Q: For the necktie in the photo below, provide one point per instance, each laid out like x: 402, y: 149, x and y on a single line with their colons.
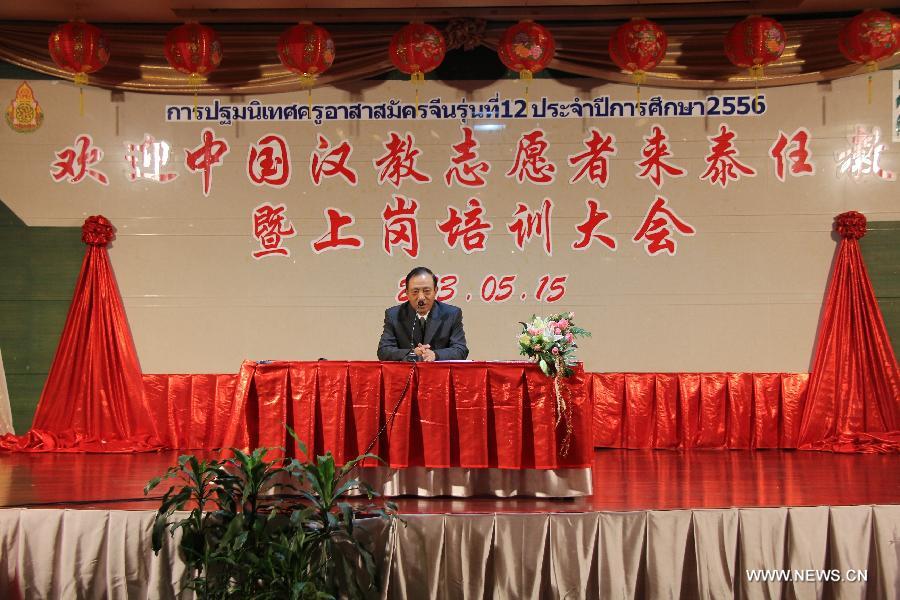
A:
x: 420, y: 331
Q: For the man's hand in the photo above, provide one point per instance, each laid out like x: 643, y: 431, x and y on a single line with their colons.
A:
x: 425, y: 352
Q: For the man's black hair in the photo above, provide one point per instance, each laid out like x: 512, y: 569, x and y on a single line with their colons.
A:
x: 421, y: 271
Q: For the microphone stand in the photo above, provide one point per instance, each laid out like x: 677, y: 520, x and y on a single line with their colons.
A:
x: 412, y: 356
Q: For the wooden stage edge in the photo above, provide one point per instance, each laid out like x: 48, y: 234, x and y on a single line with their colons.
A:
x: 624, y: 480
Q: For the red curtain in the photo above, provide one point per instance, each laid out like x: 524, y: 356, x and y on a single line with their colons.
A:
x: 697, y: 410
x: 854, y: 387
x: 93, y: 400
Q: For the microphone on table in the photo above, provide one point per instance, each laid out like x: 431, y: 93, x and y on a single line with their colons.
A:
x: 412, y: 356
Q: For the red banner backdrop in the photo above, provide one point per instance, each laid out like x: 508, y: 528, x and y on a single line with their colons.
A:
x: 854, y: 388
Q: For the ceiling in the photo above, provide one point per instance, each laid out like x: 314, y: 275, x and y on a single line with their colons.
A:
x: 362, y: 11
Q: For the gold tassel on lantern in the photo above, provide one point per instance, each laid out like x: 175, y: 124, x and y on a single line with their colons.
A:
x: 80, y: 80
x: 308, y: 82
x: 526, y: 76
x: 639, y: 77
x: 195, y: 80
x: 756, y: 72
x: 416, y: 77
x: 871, y: 67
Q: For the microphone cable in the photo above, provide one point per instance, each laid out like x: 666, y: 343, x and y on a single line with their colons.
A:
x: 389, y: 422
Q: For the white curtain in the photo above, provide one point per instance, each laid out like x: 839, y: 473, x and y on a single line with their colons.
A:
x: 463, y: 482
x: 6, y: 424
x: 645, y: 554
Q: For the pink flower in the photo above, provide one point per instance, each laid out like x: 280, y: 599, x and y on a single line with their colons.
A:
x: 557, y: 330
x: 536, y: 347
x: 569, y: 337
x: 563, y: 324
x: 551, y: 324
x: 555, y: 351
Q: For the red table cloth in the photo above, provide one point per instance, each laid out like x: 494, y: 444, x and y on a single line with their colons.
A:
x: 465, y: 414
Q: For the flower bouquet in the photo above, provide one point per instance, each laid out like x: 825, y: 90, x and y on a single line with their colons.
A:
x: 550, y: 342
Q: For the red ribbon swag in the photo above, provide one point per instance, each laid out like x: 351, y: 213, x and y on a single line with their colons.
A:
x: 853, y: 403
x: 93, y: 399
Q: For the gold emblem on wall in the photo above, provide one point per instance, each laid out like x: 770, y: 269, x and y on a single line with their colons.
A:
x: 24, y: 114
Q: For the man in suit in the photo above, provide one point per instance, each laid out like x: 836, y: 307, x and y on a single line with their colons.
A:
x: 422, y: 328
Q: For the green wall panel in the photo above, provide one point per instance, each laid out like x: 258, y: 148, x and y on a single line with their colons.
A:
x: 39, y: 266
x: 24, y: 393
x: 881, y: 251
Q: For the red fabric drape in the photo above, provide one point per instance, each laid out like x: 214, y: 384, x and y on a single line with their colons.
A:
x: 854, y: 387
x: 470, y: 415
x: 93, y: 398
x: 630, y: 410
x: 697, y: 410
x: 191, y: 411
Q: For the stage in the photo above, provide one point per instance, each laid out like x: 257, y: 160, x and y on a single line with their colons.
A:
x: 659, y: 524
x: 624, y: 480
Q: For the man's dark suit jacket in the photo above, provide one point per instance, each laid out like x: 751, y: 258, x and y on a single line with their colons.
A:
x: 443, y: 332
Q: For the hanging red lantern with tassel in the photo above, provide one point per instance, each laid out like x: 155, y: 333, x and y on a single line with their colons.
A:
x: 417, y: 49
x: 870, y: 36
x: 79, y: 48
x: 193, y: 49
x: 754, y: 43
x: 637, y: 47
x: 526, y: 48
x: 307, y: 50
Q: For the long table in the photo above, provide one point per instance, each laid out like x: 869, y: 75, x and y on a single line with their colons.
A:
x: 461, y: 428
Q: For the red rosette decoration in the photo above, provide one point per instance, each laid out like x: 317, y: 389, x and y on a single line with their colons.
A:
x: 637, y: 47
x: 850, y: 225
x: 193, y: 49
x: 307, y: 50
x: 417, y: 49
x: 754, y: 43
x: 526, y: 48
x: 870, y: 36
x: 79, y: 48
x: 97, y: 231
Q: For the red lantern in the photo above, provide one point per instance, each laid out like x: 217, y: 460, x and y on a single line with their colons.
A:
x: 637, y: 47
x: 193, y: 49
x: 307, y: 50
x: 417, y: 49
x: 526, y: 48
x: 79, y: 48
x: 869, y: 37
x: 755, y: 42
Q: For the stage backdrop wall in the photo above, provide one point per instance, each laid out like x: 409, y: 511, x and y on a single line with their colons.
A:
x: 740, y: 293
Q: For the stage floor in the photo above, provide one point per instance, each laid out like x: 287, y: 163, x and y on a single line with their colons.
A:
x: 624, y: 480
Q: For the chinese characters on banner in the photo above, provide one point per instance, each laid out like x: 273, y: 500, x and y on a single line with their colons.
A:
x: 75, y: 162
x: 466, y: 228
x: 269, y: 227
